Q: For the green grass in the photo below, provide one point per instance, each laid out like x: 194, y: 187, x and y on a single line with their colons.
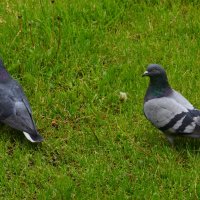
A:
x: 72, y: 59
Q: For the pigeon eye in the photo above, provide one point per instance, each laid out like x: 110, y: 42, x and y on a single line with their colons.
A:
x: 154, y: 70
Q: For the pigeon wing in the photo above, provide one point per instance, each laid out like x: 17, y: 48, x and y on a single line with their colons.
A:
x: 168, y: 115
x: 6, y: 108
x: 181, y: 99
x: 20, y: 117
x: 18, y: 92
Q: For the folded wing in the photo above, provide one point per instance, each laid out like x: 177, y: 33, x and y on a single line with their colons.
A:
x: 170, y: 116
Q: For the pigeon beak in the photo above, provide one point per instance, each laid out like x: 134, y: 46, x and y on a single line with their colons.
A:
x: 146, y: 73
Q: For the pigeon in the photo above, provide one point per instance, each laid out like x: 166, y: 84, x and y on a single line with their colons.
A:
x: 167, y: 109
x: 15, y: 110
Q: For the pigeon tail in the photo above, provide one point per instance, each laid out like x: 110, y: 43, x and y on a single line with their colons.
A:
x: 36, y: 138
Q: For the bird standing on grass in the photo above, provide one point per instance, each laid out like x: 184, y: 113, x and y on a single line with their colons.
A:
x: 167, y: 109
x: 15, y: 110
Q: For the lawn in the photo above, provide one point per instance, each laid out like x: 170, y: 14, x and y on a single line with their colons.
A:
x: 73, y: 58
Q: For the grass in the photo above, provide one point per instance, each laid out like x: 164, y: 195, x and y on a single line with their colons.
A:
x: 73, y: 58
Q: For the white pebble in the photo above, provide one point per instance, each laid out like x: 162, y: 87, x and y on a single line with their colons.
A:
x: 123, y: 96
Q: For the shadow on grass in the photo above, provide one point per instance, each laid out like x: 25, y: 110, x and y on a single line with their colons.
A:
x: 182, y: 145
x: 188, y: 144
x: 14, y: 136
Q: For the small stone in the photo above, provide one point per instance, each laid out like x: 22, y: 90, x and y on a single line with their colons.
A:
x: 123, y: 96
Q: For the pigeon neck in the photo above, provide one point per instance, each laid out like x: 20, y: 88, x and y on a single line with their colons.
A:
x: 158, y: 87
x: 159, y: 82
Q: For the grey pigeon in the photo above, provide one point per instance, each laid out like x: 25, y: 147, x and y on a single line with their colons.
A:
x: 15, y: 110
x: 167, y: 109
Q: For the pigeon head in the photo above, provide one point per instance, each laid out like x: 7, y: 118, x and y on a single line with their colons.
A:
x: 159, y: 85
x: 4, y: 75
x: 154, y: 70
x: 157, y: 75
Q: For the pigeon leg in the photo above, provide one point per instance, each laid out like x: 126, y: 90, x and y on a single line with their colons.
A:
x: 170, y: 138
